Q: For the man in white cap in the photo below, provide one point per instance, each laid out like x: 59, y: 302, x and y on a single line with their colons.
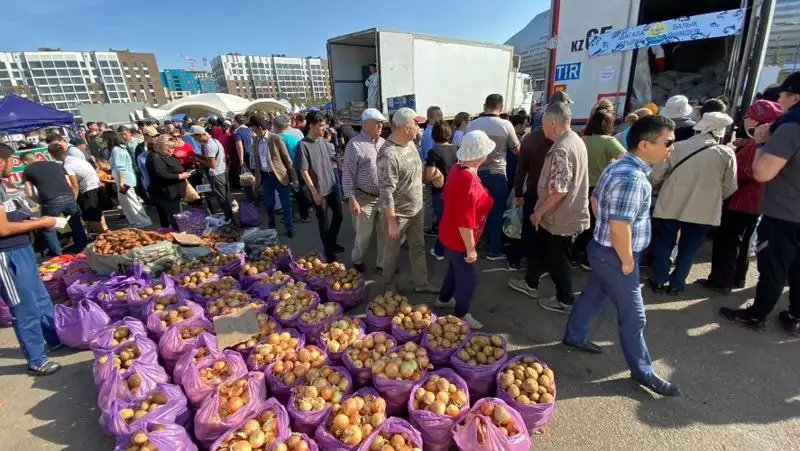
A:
x: 692, y: 183
x: 679, y: 110
x: 360, y: 185
x: 212, y: 156
x: 400, y: 197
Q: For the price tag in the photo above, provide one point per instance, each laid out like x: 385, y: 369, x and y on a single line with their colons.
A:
x: 203, y: 189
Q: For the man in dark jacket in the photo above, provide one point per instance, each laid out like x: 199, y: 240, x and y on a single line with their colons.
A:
x: 167, y: 186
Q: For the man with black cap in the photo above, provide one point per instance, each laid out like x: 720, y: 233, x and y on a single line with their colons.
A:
x: 777, y: 166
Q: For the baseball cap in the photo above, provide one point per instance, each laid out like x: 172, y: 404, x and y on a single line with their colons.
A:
x: 405, y: 116
x: 197, y: 130
x: 149, y: 130
x: 560, y: 96
x: 792, y: 83
x: 372, y: 114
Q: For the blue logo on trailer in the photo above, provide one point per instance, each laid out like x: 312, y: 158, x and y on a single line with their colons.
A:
x: 569, y: 71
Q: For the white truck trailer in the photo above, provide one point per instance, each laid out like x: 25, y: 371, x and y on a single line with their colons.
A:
x: 420, y: 71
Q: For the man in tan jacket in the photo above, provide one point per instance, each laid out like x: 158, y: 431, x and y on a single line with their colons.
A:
x: 691, y: 185
x: 273, y: 169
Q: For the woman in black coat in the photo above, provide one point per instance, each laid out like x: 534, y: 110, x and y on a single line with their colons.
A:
x: 167, y: 186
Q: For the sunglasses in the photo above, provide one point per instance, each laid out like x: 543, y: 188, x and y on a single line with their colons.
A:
x: 668, y: 143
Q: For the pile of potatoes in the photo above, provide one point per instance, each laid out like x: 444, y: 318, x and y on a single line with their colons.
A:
x: 275, y: 347
x: 216, y: 373
x: 191, y: 332
x: 287, y: 291
x: 216, y: 288
x: 120, y: 242
x: 440, y: 396
x: 499, y: 416
x: 386, y: 441
x: 388, y: 304
x: 133, y: 382
x: 175, y: 316
x: 146, y: 293
x: 355, y: 418
x: 295, y: 442
x: 176, y: 268
x: 153, y: 402
x: 340, y: 334
x: 140, y: 442
x: 276, y: 278
x: 259, y: 265
x: 123, y: 358
x: 164, y: 301
x: 482, y: 350
x: 291, y: 306
x: 266, y: 324
x: 295, y: 365
x: 326, y: 270
x: 323, y: 386
x: 201, y: 353
x: 223, y: 235
x: 345, y: 280
x: 320, y: 313
x: 121, y: 335
x: 220, y: 259
x: 276, y: 251
x: 405, y: 364
x: 528, y: 382
x: 310, y: 261
x: 256, y: 434
x: 413, y: 320
x: 230, y: 302
x: 118, y: 296
x: 366, y: 351
x: 447, y: 332
x: 195, y: 278
x: 233, y: 396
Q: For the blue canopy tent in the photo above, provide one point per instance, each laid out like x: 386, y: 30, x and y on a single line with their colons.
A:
x: 18, y: 115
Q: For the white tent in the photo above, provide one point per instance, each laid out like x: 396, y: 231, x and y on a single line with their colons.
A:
x: 219, y: 104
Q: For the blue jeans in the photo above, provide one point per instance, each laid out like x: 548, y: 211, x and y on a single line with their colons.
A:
x: 437, y: 199
x: 32, y: 309
x: 607, y: 280
x: 68, y: 206
x: 692, y: 236
x: 459, y: 282
x: 497, y: 185
x: 270, y: 184
x: 338, y: 182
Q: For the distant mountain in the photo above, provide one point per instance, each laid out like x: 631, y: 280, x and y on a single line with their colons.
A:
x: 536, y: 31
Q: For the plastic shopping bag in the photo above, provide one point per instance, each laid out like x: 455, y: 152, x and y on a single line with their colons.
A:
x: 512, y: 223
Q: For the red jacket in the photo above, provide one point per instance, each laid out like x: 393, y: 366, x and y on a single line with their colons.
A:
x: 185, y: 155
x: 748, y: 196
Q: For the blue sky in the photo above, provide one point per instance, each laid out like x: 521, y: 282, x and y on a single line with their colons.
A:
x: 174, y: 30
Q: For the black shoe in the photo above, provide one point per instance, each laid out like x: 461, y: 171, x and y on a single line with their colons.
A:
x: 360, y: 267
x: 305, y: 220
x: 674, y: 291
x: 789, y: 324
x: 707, y: 284
x: 431, y: 232
x: 740, y: 284
x: 744, y: 317
x: 338, y: 249
x: 45, y: 369
x: 657, y: 385
x: 588, y: 346
x: 658, y: 287
x: 290, y: 234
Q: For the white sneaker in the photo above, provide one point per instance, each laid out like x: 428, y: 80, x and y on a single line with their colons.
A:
x: 473, y: 323
x: 435, y: 255
x: 442, y: 304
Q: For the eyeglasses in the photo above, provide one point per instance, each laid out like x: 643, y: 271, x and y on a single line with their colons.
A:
x: 668, y: 143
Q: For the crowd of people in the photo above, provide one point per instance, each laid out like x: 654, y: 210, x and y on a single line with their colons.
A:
x: 612, y: 200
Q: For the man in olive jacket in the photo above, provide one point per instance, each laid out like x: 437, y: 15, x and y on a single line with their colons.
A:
x: 273, y: 169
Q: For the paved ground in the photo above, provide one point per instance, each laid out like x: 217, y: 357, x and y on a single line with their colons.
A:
x: 741, y: 389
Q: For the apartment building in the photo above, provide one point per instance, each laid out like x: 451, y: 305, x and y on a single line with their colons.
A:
x: 142, y: 77
x: 784, y: 38
x: 277, y: 76
x: 179, y: 83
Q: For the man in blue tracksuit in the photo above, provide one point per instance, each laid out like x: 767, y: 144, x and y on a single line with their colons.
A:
x: 20, y: 286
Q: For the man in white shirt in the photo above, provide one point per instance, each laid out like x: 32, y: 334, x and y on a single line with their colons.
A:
x: 70, y: 149
x: 373, y: 85
x: 85, y: 186
x: 213, y: 158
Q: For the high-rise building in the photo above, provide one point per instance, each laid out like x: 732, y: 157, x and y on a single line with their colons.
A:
x: 784, y: 38
x: 530, y: 44
x: 277, y: 76
x: 142, y: 77
x: 179, y: 83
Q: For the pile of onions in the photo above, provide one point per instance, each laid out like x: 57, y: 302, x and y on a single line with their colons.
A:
x: 140, y: 442
x: 405, y: 363
x: 215, y: 373
x: 354, y: 419
x: 230, y: 302
x: 499, y: 416
x: 267, y: 324
x: 275, y: 251
x: 345, y: 280
x: 310, y: 261
x: 387, y: 441
x: 388, y: 304
x: 295, y: 365
x: 413, y: 319
x: 295, y: 442
x: 290, y: 307
x: 259, y: 265
x: 340, y: 334
x: 447, y: 332
x: 274, y: 278
x: 233, y: 396
x: 440, y: 396
x: 528, y: 382
x: 256, y: 434
x: 200, y: 353
x: 366, y: 351
x: 319, y: 313
x: 326, y: 270
x: 191, y: 332
x: 276, y: 346
x: 323, y: 386
x: 482, y: 350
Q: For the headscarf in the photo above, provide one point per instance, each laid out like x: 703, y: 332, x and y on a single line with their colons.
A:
x: 764, y: 111
x: 714, y: 123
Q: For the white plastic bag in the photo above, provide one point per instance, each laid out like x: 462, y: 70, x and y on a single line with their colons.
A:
x: 512, y: 223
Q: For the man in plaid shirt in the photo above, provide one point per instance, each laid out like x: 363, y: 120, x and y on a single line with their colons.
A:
x: 621, y: 202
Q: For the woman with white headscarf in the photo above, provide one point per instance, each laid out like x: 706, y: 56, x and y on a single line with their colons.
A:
x: 692, y: 183
x: 467, y: 204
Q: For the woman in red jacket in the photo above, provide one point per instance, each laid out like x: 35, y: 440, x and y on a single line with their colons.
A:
x: 730, y: 257
x: 183, y: 151
x: 467, y: 203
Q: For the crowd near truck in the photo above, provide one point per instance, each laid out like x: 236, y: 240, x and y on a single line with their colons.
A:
x: 420, y: 70
x: 634, y: 52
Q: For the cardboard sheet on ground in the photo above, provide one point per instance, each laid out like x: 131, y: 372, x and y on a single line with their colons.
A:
x: 235, y: 328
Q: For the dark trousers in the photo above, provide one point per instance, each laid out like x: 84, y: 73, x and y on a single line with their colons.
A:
x: 731, y: 253
x: 522, y: 246
x: 585, y: 237
x: 269, y: 185
x: 778, y: 262
x: 692, y: 236
x: 550, y: 253
x: 221, y: 191
x: 459, y: 282
x: 67, y: 206
x: 329, y: 226
x: 303, y: 203
x: 497, y: 185
x: 167, y: 209
x: 437, y: 199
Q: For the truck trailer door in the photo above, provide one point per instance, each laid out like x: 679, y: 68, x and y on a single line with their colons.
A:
x: 588, y: 80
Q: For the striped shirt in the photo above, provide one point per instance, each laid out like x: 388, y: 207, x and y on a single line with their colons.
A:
x: 359, y: 170
x: 623, y: 194
x: 400, y: 178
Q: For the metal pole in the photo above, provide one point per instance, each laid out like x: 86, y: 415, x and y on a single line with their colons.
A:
x: 759, y: 50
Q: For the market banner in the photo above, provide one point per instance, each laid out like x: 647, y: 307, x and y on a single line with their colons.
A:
x: 691, y: 28
x: 41, y: 154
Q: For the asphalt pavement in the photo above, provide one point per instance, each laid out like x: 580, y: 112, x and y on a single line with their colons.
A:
x: 741, y: 389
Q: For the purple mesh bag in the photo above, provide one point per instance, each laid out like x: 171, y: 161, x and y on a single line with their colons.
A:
x: 336, y: 356
x: 362, y: 376
x: 261, y: 289
x: 84, y: 287
x: 348, y: 298
x: 393, y: 426
x: 435, y: 429
x: 441, y: 356
x: 172, y: 346
x: 209, y: 426
x: 174, y: 411
x: 114, y: 388
x: 307, y: 422
x: 536, y: 416
x: 164, y: 436
x: 251, y: 361
x: 187, y: 360
x: 466, y: 435
x: 479, y: 378
x: 282, y: 427
x: 103, y: 367
x: 196, y: 390
x: 156, y: 327
x: 312, y: 445
x: 292, y: 321
x: 76, y: 326
x: 377, y: 323
x: 232, y: 268
x: 103, y: 339
x: 312, y: 330
x: 276, y: 386
x: 328, y: 441
x: 402, y: 336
